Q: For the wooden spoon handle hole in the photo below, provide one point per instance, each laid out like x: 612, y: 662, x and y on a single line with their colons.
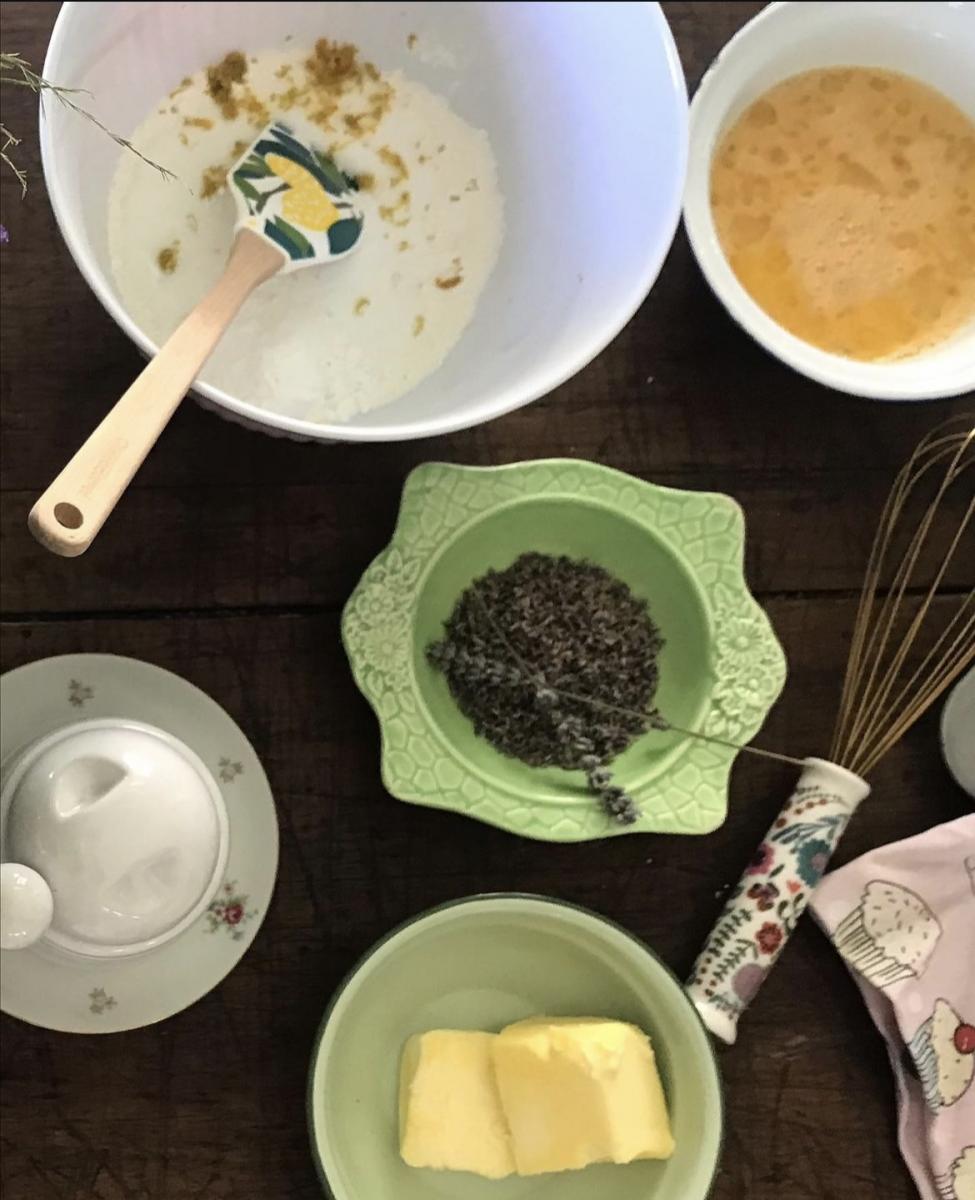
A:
x: 68, y: 516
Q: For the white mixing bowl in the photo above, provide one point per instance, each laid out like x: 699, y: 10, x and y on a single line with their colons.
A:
x: 934, y: 41
x: 586, y: 108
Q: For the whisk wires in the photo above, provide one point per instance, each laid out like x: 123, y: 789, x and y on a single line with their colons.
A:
x: 881, y: 696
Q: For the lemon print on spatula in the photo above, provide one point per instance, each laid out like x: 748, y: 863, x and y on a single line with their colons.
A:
x: 305, y: 203
x: 296, y: 198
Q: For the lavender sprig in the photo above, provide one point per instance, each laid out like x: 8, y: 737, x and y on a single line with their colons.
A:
x: 570, y: 737
x: 17, y: 71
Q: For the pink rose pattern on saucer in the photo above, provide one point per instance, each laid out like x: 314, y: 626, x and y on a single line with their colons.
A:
x: 228, y: 911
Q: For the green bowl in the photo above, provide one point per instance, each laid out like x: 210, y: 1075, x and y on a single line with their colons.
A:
x: 721, y: 668
x: 481, y: 963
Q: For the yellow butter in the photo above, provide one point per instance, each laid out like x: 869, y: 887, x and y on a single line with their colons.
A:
x: 576, y: 1091
x: 450, y: 1113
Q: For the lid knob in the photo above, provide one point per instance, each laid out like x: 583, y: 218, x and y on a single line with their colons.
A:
x: 26, y: 906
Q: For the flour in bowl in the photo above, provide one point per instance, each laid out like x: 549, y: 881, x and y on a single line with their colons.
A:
x: 326, y: 343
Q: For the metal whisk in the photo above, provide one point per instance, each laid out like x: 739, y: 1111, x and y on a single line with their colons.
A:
x: 884, y: 692
x: 878, y: 704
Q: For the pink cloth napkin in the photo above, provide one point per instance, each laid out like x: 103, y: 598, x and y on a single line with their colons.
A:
x: 903, y: 918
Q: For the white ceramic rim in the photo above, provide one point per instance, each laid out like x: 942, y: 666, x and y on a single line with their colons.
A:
x: 831, y: 370
x: 606, y: 325
x: 29, y: 754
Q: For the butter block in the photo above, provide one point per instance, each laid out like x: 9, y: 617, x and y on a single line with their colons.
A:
x: 576, y: 1091
x: 450, y: 1111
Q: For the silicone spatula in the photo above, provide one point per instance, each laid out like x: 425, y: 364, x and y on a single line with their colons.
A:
x: 295, y: 209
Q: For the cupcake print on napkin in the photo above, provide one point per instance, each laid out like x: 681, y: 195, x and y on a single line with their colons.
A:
x: 903, y: 918
x: 889, y: 936
x: 958, y: 1182
x: 943, y: 1050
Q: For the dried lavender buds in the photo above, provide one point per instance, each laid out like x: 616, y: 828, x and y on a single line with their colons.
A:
x: 554, y: 661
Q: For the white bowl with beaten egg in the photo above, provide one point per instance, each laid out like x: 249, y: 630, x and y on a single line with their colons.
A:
x: 591, y: 199
x: 931, y: 42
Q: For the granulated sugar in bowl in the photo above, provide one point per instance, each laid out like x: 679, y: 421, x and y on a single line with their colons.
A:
x: 564, y: 211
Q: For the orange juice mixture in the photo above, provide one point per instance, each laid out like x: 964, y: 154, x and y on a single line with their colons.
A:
x: 844, y: 199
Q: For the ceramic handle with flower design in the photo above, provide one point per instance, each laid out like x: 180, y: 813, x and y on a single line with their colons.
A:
x: 764, y: 907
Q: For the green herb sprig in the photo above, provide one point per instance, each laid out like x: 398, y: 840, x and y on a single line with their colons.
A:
x: 16, y: 71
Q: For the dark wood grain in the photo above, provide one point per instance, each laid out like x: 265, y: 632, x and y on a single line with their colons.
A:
x: 219, y: 1088
x: 228, y: 562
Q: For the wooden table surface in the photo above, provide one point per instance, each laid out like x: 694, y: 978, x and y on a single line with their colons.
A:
x: 228, y: 563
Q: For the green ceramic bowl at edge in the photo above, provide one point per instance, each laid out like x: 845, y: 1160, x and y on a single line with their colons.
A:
x: 480, y: 963
x: 721, y: 667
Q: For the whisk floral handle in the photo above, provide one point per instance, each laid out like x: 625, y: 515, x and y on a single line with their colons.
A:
x: 770, y: 897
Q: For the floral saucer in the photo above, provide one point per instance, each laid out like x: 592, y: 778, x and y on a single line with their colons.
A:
x: 721, y: 667
x: 75, y: 994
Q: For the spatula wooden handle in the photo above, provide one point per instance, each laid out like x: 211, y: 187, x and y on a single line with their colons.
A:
x: 73, y: 509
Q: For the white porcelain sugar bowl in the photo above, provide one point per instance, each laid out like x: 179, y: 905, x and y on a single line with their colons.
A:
x: 114, y: 838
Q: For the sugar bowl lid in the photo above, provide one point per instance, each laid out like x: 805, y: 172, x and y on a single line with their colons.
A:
x: 114, y: 839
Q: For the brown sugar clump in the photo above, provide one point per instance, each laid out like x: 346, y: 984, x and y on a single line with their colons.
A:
x: 395, y: 162
x: 221, y: 79
x: 214, y: 180
x: 334, y: 70
x: 289, y: 98
x: 334, y: 64
x: 168, y: 258
x: 359, y: 124
x: 323, y: 116
x: 398, y: 213
x: 446, y: 282
x: 198, y: 122
x: 256, y: 109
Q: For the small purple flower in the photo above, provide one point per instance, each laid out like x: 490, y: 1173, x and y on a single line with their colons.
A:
x: 747, y: 980
x: 762, y: 860
x: 4, y: 235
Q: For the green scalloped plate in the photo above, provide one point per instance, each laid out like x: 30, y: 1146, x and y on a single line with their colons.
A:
x: 721, y: 668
